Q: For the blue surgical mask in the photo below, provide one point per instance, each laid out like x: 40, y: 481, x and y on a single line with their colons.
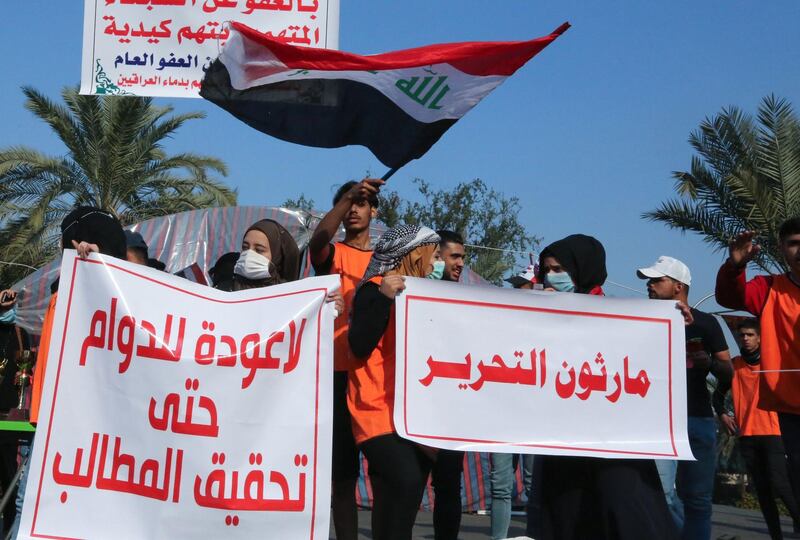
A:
x: 9, y: 316
x: 438, y: 270
x: 560, y: 281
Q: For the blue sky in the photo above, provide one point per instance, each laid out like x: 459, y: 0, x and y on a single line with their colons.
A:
x: 586, y: 134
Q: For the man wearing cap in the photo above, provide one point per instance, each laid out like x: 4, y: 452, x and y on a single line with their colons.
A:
x: 706, y: 352
x: 525, y: 279
x: 137, y: 248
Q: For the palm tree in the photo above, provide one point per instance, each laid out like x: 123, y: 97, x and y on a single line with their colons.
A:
x: 114, y: 161
x: 746, y: 176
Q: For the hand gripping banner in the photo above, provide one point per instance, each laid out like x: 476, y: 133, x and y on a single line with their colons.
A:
x: 501, y: 370
x: 174, y: 410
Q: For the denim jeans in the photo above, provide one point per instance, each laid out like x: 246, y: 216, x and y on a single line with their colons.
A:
x: 502, y: 480
x: 527, y: 475
x: 693, y: 480
x: 667, y: 471
x: 24, y: 452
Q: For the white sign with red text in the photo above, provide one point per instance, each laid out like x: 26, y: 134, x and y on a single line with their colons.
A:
x: 163, y: 47
x: 504, y: 370
x: 174, y: 410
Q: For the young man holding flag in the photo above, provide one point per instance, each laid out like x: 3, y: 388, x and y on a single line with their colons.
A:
x: 354, y: 206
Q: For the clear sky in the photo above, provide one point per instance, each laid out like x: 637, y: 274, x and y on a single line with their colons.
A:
x: 586, y: 134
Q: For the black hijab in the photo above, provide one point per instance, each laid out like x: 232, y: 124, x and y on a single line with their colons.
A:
x: 584, y: 259
x: 96, y: 226
x: 222, y: 271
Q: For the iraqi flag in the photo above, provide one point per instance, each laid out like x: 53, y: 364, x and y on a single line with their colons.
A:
x: 396, y: 104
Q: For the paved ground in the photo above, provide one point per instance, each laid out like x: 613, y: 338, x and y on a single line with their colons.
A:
x: 728, y: 524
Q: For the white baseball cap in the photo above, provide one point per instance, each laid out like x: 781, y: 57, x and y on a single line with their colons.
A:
x: 526, y: 276
x: 667, y: 267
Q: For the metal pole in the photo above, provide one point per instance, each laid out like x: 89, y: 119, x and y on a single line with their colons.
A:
x: 706, y: 297
x: 389, y: 173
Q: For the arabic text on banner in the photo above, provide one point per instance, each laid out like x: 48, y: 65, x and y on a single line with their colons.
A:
x: 162, y: 47
x: 174, y: 410
x: 501, y: 370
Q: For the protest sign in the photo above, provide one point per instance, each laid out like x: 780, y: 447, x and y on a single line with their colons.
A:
x: 503, y: 370
x: 163, y: 47
x: 173, y: 410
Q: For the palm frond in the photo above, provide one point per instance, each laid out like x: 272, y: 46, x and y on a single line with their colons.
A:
x: 745, y: 176
x: 114, y: 159
x: 57, y: 117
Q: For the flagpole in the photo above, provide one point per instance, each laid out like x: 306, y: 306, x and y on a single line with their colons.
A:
x: 389, y: 173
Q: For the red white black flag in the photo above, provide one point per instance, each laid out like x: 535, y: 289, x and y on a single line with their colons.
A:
x: 396, y: 104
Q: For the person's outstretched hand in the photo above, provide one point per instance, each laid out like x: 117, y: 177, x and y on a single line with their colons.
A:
x: 742, y: 249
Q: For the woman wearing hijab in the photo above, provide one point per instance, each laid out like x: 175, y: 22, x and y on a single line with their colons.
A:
x: 576, y: 263
x: 593, y: 498
x: 269, y: 256
x: 88, y: 230
x: 398, y: 468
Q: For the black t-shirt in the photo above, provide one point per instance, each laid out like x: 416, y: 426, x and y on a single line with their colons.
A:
x: 704, y: 337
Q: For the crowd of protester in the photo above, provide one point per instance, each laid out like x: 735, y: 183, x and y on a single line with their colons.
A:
x: 567, y: 497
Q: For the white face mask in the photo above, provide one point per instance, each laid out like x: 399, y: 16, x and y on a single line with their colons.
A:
x: 252, y: 265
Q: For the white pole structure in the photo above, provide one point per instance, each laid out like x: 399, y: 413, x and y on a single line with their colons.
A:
x: 706, y: 297
x: 19, y: 264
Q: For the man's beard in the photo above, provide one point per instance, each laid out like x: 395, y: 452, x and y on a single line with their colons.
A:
x: 448, y: 276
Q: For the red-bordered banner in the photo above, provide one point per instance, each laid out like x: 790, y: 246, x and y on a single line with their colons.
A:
x: 502, y: 370
x: 175, y: 410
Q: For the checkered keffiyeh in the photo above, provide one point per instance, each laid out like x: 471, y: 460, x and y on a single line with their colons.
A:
x: 395, y: 244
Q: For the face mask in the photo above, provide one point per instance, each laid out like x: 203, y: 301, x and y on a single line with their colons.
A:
x: 560, y: 281
x: 438, y: 270
x: 9, y: 316
x: 252, y: 265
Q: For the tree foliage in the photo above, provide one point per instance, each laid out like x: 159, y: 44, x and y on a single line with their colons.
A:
x: 745, y: 176
x: 114, y: 160
x: 488, y: 221
x: 300, y: 203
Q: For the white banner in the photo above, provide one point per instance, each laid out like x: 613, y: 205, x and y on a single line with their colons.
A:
x: 503, y: 370
x: 174, y: 410
x: 162, y: 47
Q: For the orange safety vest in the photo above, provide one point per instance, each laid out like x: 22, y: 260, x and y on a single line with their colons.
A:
x: 780, y: 348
